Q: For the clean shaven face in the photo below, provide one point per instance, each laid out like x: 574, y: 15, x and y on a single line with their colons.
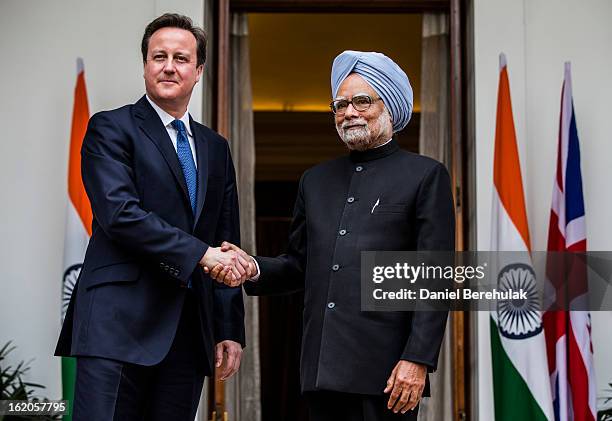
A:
x: 170, y: 71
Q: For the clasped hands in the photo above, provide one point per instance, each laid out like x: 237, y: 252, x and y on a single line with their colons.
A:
x: 228, y: 264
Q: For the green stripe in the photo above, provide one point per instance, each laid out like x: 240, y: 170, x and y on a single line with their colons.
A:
x: 68, y: 378
x: 513, y: 399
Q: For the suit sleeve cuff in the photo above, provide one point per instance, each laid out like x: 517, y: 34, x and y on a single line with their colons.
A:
x: 257, y: 272
x: 431, y: 367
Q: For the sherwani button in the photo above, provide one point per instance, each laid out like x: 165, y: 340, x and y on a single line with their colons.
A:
x: 350, y: 199
x: 335, y: 268
x: 342, y: 232
x: 331, y: 305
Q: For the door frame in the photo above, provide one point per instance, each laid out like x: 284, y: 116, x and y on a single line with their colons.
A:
x: 457, y: 10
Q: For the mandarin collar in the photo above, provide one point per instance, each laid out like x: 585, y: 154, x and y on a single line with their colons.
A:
x: 375, y: 153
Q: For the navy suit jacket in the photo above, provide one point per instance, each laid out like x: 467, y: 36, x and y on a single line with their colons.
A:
x: 146, y: 242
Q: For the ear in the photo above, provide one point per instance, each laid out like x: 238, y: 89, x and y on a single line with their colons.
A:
x: 199, y: 71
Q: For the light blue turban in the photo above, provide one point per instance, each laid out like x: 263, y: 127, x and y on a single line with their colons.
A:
x: 383, y: 75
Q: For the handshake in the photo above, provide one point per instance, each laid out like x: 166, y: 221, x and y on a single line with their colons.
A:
x: 228, y: 264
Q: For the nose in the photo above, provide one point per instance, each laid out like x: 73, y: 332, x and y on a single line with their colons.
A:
x: 351, y: 112
x: 169, y: 66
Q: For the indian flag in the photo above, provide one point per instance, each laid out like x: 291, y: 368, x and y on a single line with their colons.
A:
x: 78, y: 220
x: 521, y: 385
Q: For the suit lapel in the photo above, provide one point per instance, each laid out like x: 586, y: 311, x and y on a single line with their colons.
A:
x: 152, y: 126
x: 201, y: 146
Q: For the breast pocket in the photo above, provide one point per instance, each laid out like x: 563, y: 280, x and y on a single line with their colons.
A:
x: 391, y: 209
x: 386, y: 228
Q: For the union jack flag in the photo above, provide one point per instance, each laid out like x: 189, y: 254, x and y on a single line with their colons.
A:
x: 568, y: 333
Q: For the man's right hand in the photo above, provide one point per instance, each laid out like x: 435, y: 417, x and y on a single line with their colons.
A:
x: 224, y: 274
x: 234, y: 267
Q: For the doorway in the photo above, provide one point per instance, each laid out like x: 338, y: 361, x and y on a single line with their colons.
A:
x: 294, y: 130
x: 295, y: 133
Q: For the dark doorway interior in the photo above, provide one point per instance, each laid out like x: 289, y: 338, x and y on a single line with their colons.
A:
x: 280, y: 317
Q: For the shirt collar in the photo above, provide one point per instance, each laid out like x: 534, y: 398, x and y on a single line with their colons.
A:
x: 167, y: 119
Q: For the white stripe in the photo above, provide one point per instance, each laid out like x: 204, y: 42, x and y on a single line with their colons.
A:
x: 580, y: 323
x: 527, y: 355
x: 558, y: 207
x: 76, y: 238
x: 557, y: 198
x: 566, y: 109
x: 561, y: 363
x: 504, y: 234
x: 575, y: 231
x: 80, y: 66
x: 529, y: 358
x: 502, y: 61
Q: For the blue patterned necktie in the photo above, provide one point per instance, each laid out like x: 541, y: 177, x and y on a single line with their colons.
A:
x: 183, y: 150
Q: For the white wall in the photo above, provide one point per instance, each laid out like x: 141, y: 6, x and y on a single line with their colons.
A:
x: 537, y: 37
x: 39, y: 43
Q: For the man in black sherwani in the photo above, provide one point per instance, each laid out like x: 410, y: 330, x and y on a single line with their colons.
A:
x: 379, y: 197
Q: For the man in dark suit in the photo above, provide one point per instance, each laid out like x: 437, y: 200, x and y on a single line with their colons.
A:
x: 145, y: 323
x: 376, y: 198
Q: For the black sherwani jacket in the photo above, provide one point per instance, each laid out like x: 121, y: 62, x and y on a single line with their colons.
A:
x: 335, y: 218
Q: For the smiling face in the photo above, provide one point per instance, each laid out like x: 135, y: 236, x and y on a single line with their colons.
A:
x: 361, y: 130
x: 171, y: 70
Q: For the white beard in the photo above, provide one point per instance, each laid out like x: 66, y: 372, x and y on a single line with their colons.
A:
x: 356, y: 138
x: 361, y: 138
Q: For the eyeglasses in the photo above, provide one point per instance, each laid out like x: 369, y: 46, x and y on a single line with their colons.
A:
x: 360, y: 102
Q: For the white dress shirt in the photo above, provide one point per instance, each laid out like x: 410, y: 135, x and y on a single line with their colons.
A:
x: 167, y: 120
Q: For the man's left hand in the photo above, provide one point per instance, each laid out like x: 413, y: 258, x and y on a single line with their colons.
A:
x: 406, y: 385
x: 227, y: 355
